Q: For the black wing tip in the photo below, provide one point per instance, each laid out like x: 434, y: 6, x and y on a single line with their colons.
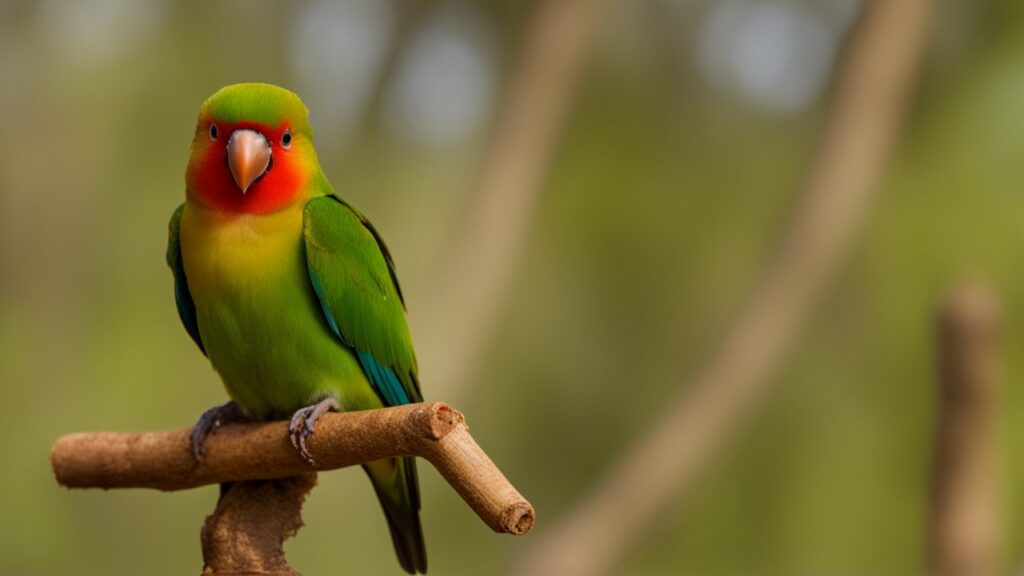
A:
x: 410, y: 549
x: 404, y: 524
x: 407, y: 536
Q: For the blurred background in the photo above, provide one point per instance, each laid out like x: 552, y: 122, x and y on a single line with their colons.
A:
x: 602, y: 183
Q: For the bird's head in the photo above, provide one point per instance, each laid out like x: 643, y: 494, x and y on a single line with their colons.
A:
x: 252, y: 152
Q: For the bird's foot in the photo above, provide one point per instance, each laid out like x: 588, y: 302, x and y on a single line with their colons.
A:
x: 303, y: 425
x: 210, y: 422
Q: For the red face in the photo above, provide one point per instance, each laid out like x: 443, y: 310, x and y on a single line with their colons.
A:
x: 245, y: 167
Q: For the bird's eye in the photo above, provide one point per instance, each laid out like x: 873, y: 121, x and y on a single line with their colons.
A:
x: 213, y: 131
x: 286, y: 140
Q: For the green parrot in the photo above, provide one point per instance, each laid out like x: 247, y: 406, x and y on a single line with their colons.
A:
x: 289, y: 290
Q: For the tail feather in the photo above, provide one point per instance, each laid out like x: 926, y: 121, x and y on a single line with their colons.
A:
x: 397, y: 488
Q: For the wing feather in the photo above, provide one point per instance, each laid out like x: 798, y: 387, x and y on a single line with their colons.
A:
x: 182, y: 296
x: 354, y: 278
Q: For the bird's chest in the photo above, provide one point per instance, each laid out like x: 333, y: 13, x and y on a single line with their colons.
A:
x: 255, y: 306
x: 244, y: 261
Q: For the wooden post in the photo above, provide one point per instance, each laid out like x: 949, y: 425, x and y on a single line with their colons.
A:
x: 246, y: 533
x: 963, y: 539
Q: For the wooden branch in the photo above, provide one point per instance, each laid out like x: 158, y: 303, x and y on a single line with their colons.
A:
x: 471, y: 288
x: 964, y: 535
x: 240, y: 452
x: 872, y: 83
x: 246, y: 533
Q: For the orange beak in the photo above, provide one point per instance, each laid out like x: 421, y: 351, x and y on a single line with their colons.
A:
x: 248, y: 157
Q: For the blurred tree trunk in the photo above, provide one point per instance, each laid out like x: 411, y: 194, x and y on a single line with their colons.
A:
x: 471, y: 290
x: 873, y: 80
x: 963, y: 539
x: 411, y: 14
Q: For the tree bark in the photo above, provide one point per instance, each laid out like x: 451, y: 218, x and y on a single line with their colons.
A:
x: 246, y: 533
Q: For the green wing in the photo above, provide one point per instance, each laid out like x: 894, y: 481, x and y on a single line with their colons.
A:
x: 182, y: 297
x: 354, y: 277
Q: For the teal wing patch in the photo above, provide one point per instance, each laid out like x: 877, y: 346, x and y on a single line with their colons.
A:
x: 182, y: 297
x: 354, y: 278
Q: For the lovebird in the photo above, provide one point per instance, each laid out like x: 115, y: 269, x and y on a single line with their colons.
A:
x: 289, y: 290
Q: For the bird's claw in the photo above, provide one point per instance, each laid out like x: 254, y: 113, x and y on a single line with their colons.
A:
x: 210, y: 422
x: 303, y: 425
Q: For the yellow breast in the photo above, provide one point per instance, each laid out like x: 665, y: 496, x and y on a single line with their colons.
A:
x: 231, y: 252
